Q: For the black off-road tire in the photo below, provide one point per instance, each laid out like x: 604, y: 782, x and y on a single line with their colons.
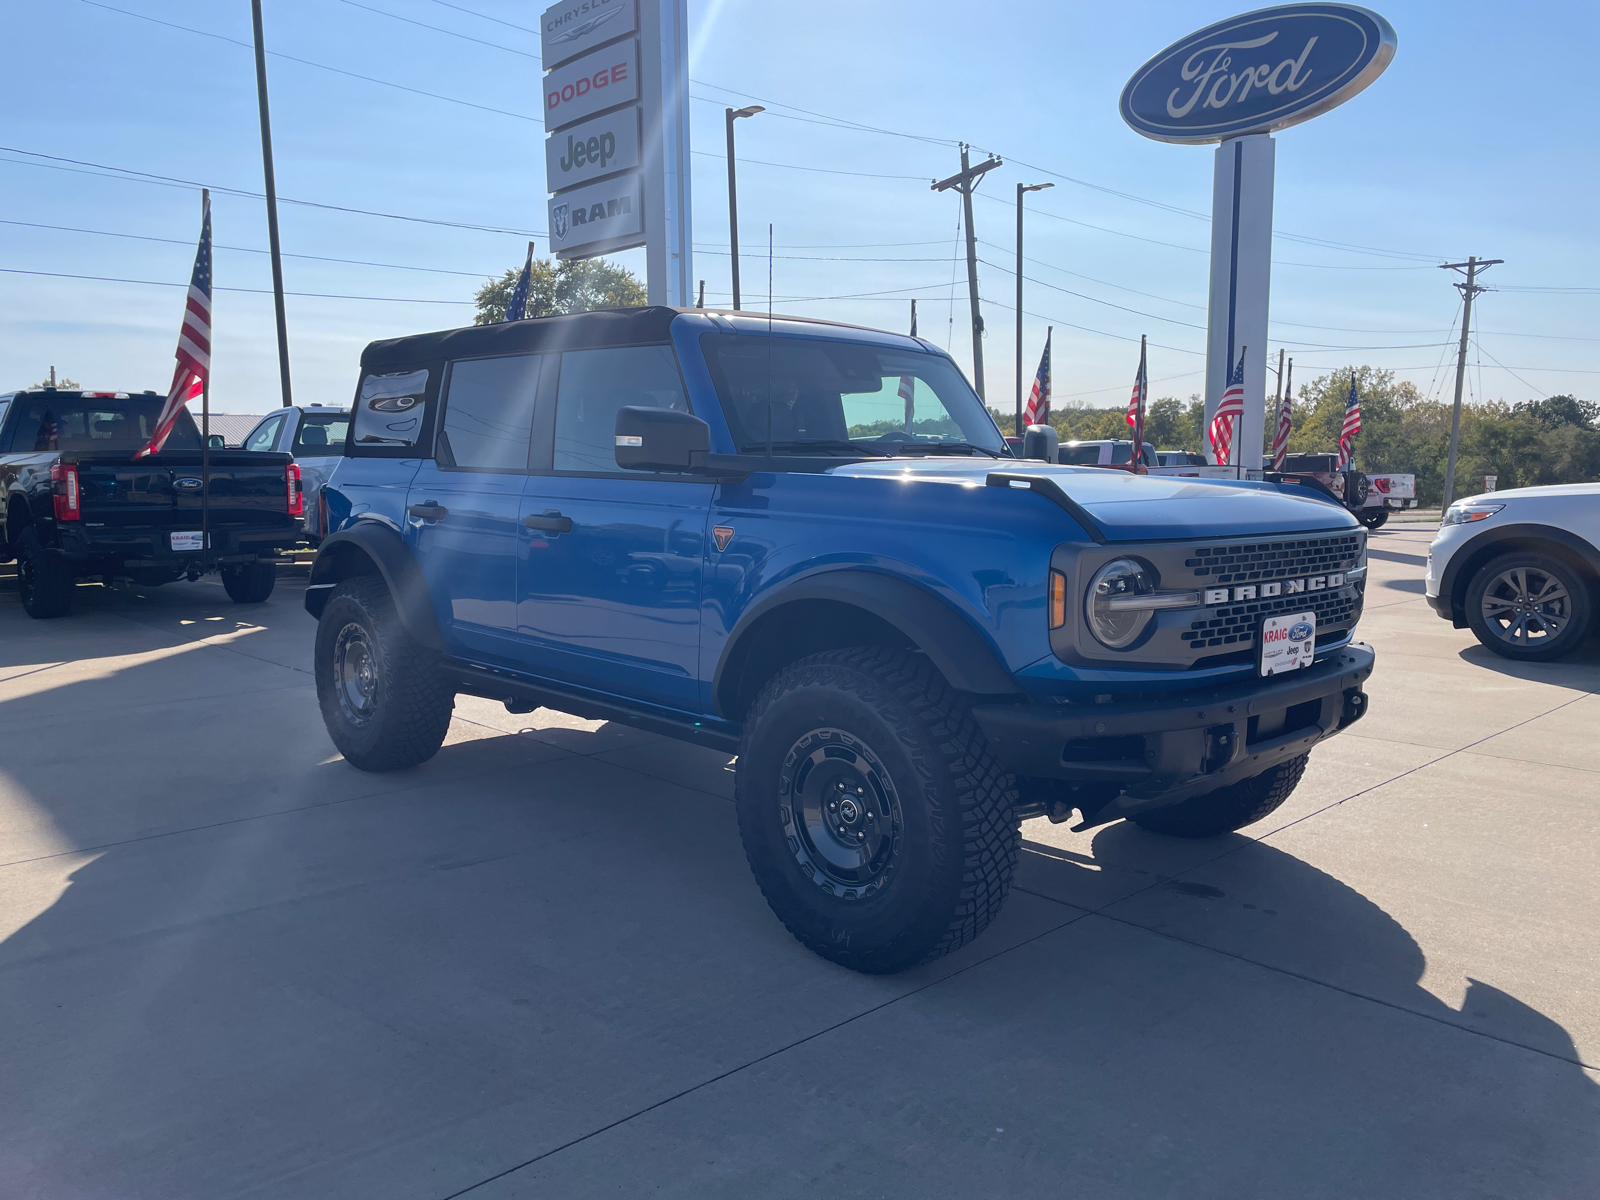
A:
x: 249, y: 583
x: 44, y: 579
x: 945, y: 808
x: 1227, y: 809
x: 396, y: 715
x: 1375, y: 520
x: 1579, y: 607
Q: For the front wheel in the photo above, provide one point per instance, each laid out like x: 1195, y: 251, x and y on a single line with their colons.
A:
x: 874, y: 816
x: 382, y: 696
x: 1375, y: 520
x: 249, y: 583
x: 1227, y: 809
x: 1528, y: 607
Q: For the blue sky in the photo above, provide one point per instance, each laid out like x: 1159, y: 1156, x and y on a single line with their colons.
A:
x: 1476, y: 141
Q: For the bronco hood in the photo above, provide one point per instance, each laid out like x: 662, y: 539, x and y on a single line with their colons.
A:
x: 1131, y: 508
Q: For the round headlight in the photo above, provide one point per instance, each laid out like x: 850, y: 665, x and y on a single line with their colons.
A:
x: 1115, y: 616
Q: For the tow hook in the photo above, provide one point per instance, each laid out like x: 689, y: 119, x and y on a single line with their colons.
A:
x: 1222, y: 747
x: 1355, y: 707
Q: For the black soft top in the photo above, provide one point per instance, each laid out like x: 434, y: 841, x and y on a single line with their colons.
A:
x: 575, y: 331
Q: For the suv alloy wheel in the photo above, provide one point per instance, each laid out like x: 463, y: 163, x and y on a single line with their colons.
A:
x: 1528, y: 607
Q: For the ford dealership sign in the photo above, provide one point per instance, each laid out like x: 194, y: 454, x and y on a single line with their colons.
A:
x: 1258, y: 72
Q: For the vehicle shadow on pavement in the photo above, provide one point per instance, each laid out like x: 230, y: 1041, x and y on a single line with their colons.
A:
x: 282, y: 977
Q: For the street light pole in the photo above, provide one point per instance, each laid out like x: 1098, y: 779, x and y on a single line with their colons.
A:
x: 732, y: 115
x: 1022, y: 189
x: 272, y: 205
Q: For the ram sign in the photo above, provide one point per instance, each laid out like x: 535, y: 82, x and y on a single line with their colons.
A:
x: 1258, y: 72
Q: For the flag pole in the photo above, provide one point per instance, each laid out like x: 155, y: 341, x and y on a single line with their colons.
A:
x: 205, y: 428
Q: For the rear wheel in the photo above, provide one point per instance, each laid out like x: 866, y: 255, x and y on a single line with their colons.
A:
x: 873, y: 814
x: 1529, y: 607
x: 44, y: 579
x: 1376, y: 519
x: 249, y: 583
x: 1229, y: 808
x: 381, y: 692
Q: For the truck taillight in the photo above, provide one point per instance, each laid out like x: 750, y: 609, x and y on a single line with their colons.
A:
x: 291, y: 482
x: 1058, y: 599
x: 65, y: 492
x: 322, y: 513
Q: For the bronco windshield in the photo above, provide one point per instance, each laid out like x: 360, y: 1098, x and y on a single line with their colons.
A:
x: 810, y: 396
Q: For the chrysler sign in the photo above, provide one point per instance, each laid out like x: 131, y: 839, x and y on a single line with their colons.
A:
x: 1258, y: 72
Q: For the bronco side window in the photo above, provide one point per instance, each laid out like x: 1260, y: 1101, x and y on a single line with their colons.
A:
x: 488, y: 413
x: 594, y: 385
x: 391, y: 410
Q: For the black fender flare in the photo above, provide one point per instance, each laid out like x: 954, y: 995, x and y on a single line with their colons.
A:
x: 1472, y: 550
x: 392, y: 559
x: 962, y: 654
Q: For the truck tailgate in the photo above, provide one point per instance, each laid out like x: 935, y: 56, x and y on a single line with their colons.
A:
x: 248, y: 490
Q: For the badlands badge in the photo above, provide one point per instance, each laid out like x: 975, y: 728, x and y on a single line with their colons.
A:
x: 1287, y: 643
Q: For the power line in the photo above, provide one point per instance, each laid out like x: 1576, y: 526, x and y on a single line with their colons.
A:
x: 388, y: 83
x: 485, y: 16
x: 439, y: 29
x: 1503, y: 367
x: 253, y: 291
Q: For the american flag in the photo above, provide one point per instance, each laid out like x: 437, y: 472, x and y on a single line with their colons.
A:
x: 1229, y: 409
x: 1352, y: 424
x: 194, y: 340
x: 908, y: 393
x: 1280, y: 440
x: 1038, y: 410
x: 1136, y: 403
x: 517, y: 308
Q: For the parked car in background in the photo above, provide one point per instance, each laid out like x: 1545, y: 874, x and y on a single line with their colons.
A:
x: 1103, y: 453
x: 1180, y: 458
x: 1370, y: 497
x: 315, y: 435
x: 75, y: 504
x: 1520, y: 568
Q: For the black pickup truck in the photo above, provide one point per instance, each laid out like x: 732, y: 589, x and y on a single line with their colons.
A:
x: 76, y: 504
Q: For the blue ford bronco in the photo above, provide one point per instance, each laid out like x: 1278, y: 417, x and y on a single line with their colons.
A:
x: 808, y: 544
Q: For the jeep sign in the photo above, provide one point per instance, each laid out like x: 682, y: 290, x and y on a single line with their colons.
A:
x: 599, y: 146
x: 1258, y: 72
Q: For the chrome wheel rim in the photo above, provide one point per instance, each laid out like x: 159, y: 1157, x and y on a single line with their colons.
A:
x: 841, y: 816
x: 355, y: 675
x: 1526, y: 607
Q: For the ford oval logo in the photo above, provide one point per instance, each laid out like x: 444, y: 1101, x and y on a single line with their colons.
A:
x: 1258, y: 72
x: 1300, y: 631
x: 188, y: 484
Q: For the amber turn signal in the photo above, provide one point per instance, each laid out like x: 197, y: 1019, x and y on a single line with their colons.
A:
x: 1058, y: 599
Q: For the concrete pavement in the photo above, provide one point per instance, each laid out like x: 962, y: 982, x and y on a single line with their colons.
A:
x: 538, y: 966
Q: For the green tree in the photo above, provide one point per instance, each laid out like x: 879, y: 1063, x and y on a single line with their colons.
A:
x: 564, y: 287
x: 65, y: 384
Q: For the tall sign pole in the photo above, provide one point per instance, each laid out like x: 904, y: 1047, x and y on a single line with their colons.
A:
x: 1468, y: 290
x: 1237, y: 82
x: 964, y: 182
x: 616, y: 105
x: 272, y: 206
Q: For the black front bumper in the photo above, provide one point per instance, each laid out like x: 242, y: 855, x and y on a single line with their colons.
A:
x: 1158, y: 752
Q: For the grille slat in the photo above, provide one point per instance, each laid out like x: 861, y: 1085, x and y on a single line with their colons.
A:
x: 1267, y: 561
x: 1236, y: 623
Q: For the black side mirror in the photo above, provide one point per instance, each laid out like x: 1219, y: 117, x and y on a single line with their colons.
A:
x: 661, y: 439
x: 1040, y: 441
x: 216, y: 442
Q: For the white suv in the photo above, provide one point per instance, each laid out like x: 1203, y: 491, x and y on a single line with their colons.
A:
x: 1520, y: 568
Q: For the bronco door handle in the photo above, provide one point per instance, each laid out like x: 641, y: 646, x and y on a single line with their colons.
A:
x: 552, y: 522
x: 430, y: 511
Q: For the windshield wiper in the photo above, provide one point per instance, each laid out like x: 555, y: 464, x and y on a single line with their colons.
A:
x: 846, y: 447
x: 934, y: 447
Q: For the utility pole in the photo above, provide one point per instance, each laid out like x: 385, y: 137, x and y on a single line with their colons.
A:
x: 913, y: 328
x: 964, y: 182
x: 701, y: 303
x: 272, y: 204
x: 732, y: 115
x: 1022, y: 190
x: 1468, y: 290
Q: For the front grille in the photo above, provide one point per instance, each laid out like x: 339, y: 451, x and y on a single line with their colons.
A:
x: 1235, y: 624
x: 1255, y: 561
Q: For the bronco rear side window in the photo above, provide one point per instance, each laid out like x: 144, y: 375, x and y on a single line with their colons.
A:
x: 390, y: 410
